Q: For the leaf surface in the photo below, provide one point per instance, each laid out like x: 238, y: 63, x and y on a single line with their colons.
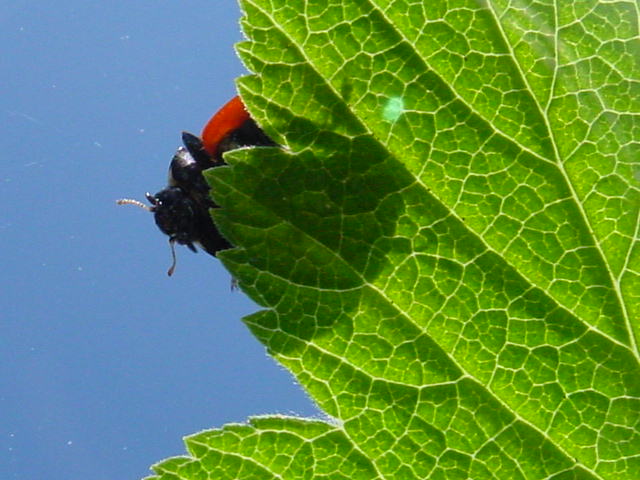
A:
x: 446, y: 247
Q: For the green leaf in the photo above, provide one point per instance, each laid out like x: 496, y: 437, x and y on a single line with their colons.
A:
x: 447, y: 245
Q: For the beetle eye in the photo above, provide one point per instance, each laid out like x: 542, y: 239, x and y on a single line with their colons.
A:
x: 151, y: 199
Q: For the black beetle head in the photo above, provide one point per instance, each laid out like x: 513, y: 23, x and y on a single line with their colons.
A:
x: 175, y: 214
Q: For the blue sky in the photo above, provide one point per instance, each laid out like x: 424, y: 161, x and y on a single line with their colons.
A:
x: 105, y: 362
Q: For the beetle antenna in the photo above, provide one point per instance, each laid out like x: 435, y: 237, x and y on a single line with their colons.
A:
x: 173, y: 256
x: 131, y: 201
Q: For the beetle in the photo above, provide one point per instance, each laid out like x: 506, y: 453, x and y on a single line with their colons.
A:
x: 181, y: 210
